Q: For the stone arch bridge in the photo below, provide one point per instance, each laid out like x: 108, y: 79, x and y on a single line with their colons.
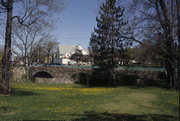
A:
x: 57, y: 74
x: 54, y: 75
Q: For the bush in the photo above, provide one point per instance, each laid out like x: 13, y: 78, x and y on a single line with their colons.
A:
x: 161, y: 75
x: 128, y: 79
x: 99, y: 78
x: 80, y: 78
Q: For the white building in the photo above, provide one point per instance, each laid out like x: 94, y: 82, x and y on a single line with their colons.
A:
x: 66, y: 51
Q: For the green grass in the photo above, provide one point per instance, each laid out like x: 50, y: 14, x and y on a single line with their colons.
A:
x: 30, y: 101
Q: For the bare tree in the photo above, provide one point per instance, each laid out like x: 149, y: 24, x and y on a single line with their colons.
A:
x: 24, y: 39
x: 6, y: 64
x: 156, y: 20
x: 28, y: 12
x: 178, y: 34
x: 39, y: 55
x: 50, y: 47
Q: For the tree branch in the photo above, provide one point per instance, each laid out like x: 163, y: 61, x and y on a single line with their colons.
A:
x: 132, y: 38
x: 4, y: 4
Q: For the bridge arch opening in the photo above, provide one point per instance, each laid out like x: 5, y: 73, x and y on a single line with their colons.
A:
x: 42, y: 74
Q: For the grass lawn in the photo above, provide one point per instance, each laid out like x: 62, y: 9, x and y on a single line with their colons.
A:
x: 30, y: 101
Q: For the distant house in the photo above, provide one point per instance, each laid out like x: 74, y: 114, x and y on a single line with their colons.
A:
x: 65, y: 53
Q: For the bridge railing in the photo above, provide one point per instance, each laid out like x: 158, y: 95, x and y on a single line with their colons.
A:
x: 118, y: 68
x: 141, y: 68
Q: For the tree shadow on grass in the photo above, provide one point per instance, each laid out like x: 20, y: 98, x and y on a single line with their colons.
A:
x: 17, y: 92
x: 151, y: 83
x: 93, y: 116
x: 6, y: 109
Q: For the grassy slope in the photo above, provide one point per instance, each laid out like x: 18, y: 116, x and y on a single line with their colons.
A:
x: 74, y: 102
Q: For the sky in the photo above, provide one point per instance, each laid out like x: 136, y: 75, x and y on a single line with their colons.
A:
x: 77, y: 22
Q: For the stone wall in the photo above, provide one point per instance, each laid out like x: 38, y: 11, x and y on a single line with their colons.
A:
x: 58, y: 72
x: 55, y: 80
x: 18, y: 74
x: 60, y: 75
x: 68, y: 75
x: 141, y: 74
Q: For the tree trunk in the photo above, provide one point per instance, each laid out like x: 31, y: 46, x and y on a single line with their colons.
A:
x: 6, y: 61
x: 27, y: 73
x: 38, y: 55
x: 87, y: 78
x: 170, y: 62
x: 111, y: 79
x: 178, y: 32
x: 170, y: 57
x: 170, y: 81
x: 48, y: 58
x: 114, y: 78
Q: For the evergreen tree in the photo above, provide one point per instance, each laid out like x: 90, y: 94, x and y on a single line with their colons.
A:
x: 106, y: 43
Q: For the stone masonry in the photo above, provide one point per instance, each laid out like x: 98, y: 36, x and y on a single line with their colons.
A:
x: 66, y: 75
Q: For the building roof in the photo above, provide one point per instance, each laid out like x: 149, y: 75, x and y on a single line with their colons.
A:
x: 63, y: 49
x: 79, y: 47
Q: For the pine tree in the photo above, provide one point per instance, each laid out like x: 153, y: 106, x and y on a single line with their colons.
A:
x: 106, y: 43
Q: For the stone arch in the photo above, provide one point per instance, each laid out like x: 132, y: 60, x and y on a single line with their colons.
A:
x: 42, y: 74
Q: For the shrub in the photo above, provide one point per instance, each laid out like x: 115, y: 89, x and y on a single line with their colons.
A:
x: 162, y: 75
x: 128, y: 79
